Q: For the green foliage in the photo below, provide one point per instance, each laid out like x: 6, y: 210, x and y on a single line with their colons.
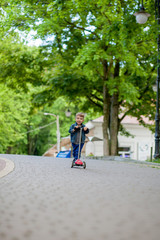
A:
x: 85, y: 34
x: 14, y: 110
x: 20, y: 64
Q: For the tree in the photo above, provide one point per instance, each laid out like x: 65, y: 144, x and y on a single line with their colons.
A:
x: 99, y: 53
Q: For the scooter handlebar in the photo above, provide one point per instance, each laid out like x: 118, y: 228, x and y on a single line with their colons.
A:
x: 78, y: 129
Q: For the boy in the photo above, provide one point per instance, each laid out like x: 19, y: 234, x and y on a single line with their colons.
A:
x: 75, y: 134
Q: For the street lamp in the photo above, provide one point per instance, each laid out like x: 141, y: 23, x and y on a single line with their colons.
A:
x: 68, y: 113
x: 144, y: 16
x: 58, y: 129
x: 141, y: 16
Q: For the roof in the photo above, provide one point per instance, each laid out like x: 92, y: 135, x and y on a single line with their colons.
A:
x: 127, y: 119
x: 94, y: 138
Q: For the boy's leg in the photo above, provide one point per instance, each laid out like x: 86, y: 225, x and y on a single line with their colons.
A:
x: 82, y: 144
x: 75, y: 151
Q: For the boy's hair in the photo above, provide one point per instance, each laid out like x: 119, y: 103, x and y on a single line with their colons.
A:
x: 80, y: 114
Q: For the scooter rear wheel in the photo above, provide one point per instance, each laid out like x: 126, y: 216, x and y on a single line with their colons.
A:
x: 84, y: 165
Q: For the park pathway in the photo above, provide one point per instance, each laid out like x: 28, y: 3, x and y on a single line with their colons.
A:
x: 43, y: 198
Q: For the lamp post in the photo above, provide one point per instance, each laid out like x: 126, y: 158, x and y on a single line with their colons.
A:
x: 141, y: 18
x: 58, y: 129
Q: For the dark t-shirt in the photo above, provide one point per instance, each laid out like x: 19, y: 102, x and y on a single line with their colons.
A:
x: 77, y: 138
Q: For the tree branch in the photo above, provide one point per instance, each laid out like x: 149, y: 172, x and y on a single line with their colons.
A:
x: 82, y: 28
x: 97, y: 98
x: 140, y: 97
x: 95, y: 103
x: 106, y: 18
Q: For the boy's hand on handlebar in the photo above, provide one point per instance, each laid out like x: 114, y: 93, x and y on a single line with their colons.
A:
x: 76, y: 128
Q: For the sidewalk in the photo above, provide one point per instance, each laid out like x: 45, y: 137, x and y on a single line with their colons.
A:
x: 127, y: 160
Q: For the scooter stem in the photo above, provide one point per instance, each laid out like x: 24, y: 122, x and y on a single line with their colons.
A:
x: 80, y: 137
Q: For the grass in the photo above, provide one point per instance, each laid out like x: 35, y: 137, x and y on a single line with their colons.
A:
x: 154, y: 160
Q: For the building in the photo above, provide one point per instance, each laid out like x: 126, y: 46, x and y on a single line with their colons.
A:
x: 138, y: 147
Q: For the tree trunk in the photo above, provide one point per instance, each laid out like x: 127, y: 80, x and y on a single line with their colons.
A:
x: 9, y: 149
x: 114, y: 116
x: 106, y: 105
x: 29, y: 144
x: 114, y: 124
x: 106, y: 100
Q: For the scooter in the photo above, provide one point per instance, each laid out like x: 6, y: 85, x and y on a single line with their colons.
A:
x: 79, y: 162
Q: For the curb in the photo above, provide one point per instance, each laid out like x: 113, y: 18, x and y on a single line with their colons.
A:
x: 9, y: 167
x: 121, y: 159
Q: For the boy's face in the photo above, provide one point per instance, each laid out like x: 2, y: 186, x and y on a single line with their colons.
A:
x: 79, y: 120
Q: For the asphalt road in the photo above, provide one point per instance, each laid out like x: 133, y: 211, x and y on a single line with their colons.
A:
x: 43, y: 198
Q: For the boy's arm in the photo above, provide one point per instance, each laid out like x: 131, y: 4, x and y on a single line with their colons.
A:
x: 72, y: 129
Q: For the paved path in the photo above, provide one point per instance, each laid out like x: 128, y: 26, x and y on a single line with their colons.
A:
x: 6, y: 166
x: 45, y: 199
x: 2, y: 164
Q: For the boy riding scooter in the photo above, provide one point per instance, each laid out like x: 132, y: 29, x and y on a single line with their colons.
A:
x: 77, y: 132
